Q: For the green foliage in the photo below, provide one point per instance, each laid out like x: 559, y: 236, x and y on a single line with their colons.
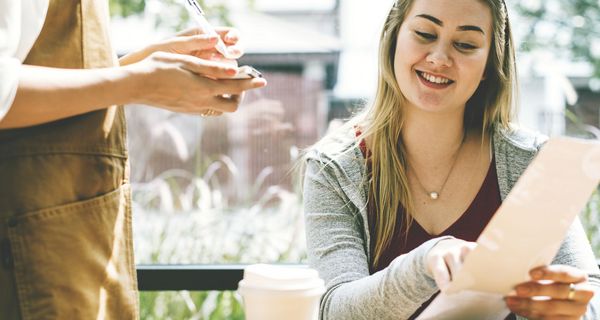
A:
x: 125, y: 8
x: 570, y: 27
x: 192, y: 218
x: 590, y: 218
x: 209, y: 305
x: 171, y: 14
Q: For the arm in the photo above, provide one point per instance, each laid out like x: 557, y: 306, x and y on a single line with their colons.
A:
x: 177, y: 82
x: 337, y: 249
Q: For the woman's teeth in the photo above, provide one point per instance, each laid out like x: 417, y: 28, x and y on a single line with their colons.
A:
x: 434, y: 79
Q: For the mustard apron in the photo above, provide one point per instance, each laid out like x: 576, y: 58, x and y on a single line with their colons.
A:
x: 65, y: 219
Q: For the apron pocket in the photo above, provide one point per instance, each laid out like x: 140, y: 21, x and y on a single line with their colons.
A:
x: 75, y: 261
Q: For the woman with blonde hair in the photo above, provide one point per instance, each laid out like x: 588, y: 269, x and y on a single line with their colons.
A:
x: 396, y: 197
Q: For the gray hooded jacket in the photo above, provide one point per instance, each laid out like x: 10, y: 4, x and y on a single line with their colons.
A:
x: 335, y: 202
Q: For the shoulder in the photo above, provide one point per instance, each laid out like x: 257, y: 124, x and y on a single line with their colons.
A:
x: 514, y: 149
x: 519, y: 138
x: 339, y: 149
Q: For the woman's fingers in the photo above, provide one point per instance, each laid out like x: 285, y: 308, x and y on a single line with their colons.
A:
x: 537, y: 309
x: 454, y: 262
x: 556, y: 292
x: 214, y: 55
x: 235, y: 87
x: 217, y: 105
x: 440, y: 271
x: 230, y: 36
x: 210, y: 69
x: 559, y: 273
x: 446, y: 258
x: 197, y: 43
x: 562, y: 291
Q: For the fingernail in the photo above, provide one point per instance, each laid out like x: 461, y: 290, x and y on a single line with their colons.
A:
x: 536, y: 274
x: 260, y: 83
x: 231, y: 71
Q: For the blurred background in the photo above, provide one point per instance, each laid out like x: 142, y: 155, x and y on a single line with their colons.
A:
x: 222, y: 190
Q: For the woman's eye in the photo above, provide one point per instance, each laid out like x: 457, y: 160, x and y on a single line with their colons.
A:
x: 464, y: 46
x: 426, y: 36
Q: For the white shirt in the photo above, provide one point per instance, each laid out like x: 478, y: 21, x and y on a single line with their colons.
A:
x: 20, y: 24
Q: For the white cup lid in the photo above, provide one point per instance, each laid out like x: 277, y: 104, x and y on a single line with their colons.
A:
x: 279, y: 277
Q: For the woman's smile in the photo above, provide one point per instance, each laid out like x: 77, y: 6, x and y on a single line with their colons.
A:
x: 433, y: 81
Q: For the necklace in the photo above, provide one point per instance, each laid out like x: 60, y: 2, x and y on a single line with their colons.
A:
x: 434, y: 195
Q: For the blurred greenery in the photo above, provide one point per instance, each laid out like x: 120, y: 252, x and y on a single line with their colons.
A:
x: 210, y: 305
x: 590, y: 218
x: 191, y: 218
x: 125, y: 8
x: 569, y: 27
x: 215, y: 10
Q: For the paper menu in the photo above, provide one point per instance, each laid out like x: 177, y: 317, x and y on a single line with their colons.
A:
x: 528, y: 228
x: 530, y: 225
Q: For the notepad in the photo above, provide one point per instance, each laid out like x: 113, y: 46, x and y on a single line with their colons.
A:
x: 528, y: 228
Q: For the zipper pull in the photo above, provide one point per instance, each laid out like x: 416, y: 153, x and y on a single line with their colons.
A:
x: 7, y: 260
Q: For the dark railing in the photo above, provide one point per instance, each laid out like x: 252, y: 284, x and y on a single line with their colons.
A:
x: 190, y: 277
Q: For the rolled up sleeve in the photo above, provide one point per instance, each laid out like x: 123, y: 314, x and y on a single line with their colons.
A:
x: 10, y: 33
x: 9, y: 81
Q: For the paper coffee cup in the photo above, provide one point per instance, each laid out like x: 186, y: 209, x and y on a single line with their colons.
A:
x: 273, y: 292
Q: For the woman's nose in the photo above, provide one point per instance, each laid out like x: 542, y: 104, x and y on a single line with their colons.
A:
x: 439, y: 56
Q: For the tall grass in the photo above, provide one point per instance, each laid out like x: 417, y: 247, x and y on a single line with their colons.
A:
x: 188, y: 219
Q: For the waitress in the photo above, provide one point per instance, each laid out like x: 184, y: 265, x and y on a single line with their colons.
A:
x: 65, y: 214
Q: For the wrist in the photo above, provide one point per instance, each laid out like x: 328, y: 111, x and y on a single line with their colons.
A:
x: 132, y: 84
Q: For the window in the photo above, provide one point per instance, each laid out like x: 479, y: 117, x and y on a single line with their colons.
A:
x: 222, y: 190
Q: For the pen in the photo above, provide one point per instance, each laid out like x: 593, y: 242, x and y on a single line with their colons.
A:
x: 198, y: 15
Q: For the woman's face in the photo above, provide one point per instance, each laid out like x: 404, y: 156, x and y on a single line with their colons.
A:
x: 442, y: 51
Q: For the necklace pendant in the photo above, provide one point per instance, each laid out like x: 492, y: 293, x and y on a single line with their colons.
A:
x: 434, y: 195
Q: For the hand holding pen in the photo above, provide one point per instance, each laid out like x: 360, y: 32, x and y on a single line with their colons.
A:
x: 197, y: 14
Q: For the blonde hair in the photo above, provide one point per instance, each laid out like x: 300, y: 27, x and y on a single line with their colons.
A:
x: 491, y: 107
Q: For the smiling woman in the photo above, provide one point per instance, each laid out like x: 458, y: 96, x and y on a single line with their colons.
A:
x: 395, y: 198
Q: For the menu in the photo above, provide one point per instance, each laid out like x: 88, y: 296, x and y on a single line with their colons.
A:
x: 526, y: 231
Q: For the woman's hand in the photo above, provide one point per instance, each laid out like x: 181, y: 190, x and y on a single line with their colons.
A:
x: 555, y: 292
x: 193, y: 42
x: 446, y: 258
x: 188, y: 84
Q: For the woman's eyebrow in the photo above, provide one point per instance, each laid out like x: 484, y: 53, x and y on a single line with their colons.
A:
x: 441, y: 24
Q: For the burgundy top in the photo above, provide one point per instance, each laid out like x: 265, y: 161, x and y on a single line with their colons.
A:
x: 468, y: 226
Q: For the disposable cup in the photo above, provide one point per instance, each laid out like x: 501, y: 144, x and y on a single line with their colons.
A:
x: 272, y: 292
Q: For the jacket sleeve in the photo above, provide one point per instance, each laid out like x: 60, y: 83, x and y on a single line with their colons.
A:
x: 577, y: 252
x: 337, y: 250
